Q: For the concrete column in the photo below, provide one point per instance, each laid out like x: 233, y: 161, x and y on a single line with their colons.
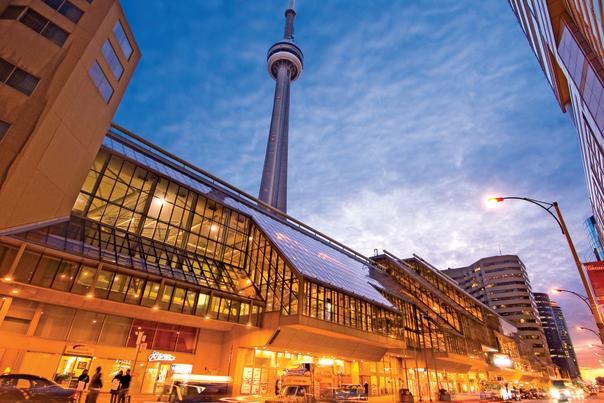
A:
x: 11, y: 270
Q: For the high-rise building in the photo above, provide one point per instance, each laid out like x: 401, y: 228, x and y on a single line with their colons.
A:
x: 158, y: 266
x: 567, y: 36
x: 64, y: 66
x: 502, y: 283
x: 567, y: 343
x: 556, y: 333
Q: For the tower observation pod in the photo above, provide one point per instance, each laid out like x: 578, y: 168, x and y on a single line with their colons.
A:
x: 285, y: 62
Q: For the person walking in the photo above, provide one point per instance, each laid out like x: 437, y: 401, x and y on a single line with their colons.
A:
x: 83, y: 380
x: 124, y: 386
x: 115, y: 386
x: 96, y: 383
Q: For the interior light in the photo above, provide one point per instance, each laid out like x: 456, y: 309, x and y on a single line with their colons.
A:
x: 8, y: 278
x: 15, y: 291
x: 155, y: 308
x: 89, y: 295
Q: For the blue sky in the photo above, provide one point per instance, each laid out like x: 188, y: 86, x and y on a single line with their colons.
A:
x: 406, y: 116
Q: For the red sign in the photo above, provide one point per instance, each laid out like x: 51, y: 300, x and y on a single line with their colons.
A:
x: 595, y: 272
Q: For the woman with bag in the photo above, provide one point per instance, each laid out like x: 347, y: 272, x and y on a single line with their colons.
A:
x: 96, y: 383
x: 115, y: 386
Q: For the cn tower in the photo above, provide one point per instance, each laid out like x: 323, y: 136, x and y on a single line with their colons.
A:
x: 285, y: 61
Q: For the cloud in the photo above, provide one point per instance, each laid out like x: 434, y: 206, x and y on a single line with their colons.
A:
x: 407, y: 115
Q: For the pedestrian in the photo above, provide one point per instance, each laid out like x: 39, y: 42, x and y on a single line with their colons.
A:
x: 124, y: 386
x: 83, y: 380
x: 96, y: 383
x: 366, y: 387
x: 115, y: 386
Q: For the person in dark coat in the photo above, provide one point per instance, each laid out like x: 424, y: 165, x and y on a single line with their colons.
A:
x: 96, y: 384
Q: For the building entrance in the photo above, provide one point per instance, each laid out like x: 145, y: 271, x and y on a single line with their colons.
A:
x: 70, y: 367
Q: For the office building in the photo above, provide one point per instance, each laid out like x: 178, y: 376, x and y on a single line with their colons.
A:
x: 556, y: 334
x: 501, y: 282
x: 566, y: 38
x: 161, y: 267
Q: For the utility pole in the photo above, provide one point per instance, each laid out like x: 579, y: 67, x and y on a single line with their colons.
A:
x: 590, y: 296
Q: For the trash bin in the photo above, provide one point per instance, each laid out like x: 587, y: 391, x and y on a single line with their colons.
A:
x: 404, y: 395
x: 444, y: 395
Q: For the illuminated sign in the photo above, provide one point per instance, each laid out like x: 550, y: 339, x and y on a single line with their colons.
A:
x: 157, y: 356
x: 182, y: 368
x: 502, y: 361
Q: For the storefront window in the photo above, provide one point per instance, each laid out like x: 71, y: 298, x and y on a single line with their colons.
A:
x: 88, y: 327
x: 55, y: 322
x: 115, y: 330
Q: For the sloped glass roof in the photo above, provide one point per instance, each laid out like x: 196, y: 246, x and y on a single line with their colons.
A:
x: 311, y: 257
x: 315, y: 259
x: 100, y: 242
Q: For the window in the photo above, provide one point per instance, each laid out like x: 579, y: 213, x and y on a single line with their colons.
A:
x: 12, y: 12
x: 18, y: 79
x: 115, y: 330
x: 87, y: 327
x: 100, y: 81
x: 66, y: 8
x: 55, y: 322
x: 112, y: 60
x: 44, y: 27
x: 122, y: 40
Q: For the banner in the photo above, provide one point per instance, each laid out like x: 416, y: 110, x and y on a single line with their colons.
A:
x: 595, y: 272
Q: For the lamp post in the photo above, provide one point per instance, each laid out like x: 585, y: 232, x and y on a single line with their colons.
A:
x: 582, y: 297
x: 560, y: 220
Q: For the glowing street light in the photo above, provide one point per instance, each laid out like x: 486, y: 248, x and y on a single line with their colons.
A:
x: 581, y: 297
x: 548, y: 207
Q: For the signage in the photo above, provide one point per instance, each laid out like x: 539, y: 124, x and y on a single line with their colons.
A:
x: 182, y: 368
x: 79, y: 349
x: 501, y: 361
x: 157, y: 356
x: 595, y: 272
x: 246, y: 380
x: 296, y: 380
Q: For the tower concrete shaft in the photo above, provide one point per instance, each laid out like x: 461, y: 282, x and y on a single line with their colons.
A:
x: 285, y: 63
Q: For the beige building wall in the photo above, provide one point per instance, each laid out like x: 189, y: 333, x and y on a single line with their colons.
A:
x: 65, y: 115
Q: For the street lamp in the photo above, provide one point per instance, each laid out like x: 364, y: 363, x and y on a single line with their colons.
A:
x: 560, y: 220
x: 582, y: 297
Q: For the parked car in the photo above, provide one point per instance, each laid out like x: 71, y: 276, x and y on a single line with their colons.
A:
x: 24, y: 388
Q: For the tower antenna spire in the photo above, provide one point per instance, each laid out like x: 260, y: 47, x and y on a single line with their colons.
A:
x: 285, y: 62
